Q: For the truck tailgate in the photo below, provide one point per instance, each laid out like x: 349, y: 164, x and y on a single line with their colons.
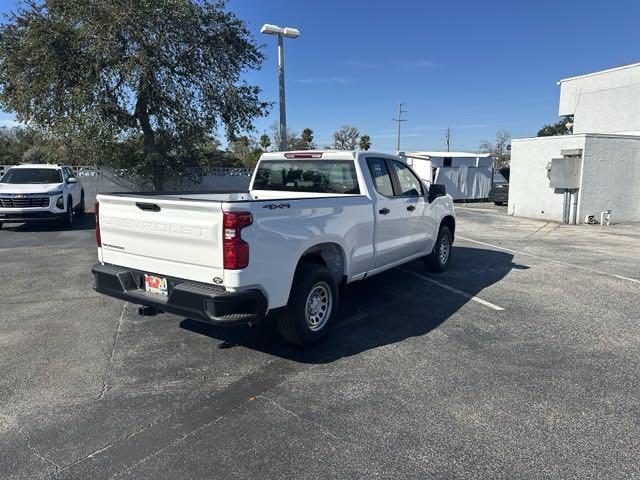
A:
x: 173, y: 237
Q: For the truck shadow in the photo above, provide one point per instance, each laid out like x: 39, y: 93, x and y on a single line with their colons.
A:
x: 383, y: 310
x: 87, y: 222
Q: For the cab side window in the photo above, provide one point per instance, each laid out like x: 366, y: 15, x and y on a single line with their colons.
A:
x: 381, y: 176
x: 65, y: 174
x: 410, y: 184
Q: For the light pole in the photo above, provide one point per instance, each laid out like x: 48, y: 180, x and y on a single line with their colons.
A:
x: 281, y: 33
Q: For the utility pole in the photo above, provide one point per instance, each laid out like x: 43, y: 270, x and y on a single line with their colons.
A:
x: 447, y: 139
x: 399, y: 120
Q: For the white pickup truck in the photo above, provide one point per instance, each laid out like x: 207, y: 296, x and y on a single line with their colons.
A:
x: 311, y: 223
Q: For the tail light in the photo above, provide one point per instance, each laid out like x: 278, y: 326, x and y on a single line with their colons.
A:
x: 98, y: 239
x: 235, y: 251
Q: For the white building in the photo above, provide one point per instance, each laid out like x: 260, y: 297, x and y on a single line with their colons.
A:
x: 466, y: 176
x: 606, y: 138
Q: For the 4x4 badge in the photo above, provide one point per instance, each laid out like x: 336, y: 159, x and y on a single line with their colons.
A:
x: 273, y: 206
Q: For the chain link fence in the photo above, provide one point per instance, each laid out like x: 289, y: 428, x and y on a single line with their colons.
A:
x: 104, y: 180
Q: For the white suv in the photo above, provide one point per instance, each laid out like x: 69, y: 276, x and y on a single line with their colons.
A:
x: 31, y: 193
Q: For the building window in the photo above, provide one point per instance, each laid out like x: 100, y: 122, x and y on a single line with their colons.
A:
x: 446, y: 162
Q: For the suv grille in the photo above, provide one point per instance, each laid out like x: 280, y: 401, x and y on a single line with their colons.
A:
x: 24, y: 202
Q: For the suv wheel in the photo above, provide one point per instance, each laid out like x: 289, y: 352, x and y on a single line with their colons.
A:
x: 438, y: 260
x: 312, y: 306
x: 81, y: 208
x: 67, y: 220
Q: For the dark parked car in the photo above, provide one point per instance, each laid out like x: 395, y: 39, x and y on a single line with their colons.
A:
x: 499, y: 193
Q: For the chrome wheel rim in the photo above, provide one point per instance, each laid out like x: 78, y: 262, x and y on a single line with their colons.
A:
x: 318, y: 306
x: 444, y: 250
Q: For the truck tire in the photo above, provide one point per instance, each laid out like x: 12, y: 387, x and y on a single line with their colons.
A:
x: 312, y: 306
x: 438, y: 260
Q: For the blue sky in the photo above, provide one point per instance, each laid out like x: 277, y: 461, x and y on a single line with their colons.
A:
x: 474, y: 66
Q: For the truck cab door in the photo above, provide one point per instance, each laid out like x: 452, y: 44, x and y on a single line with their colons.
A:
x: 392, y: 234
x: 419, y: 216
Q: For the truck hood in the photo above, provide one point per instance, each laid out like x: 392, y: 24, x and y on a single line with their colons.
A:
x: 24, y: 188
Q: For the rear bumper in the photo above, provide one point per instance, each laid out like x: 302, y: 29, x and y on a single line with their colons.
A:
x: 199, y: 301
x: 498, y: 196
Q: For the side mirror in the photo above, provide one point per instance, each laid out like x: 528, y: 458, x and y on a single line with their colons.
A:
x: 436, y: 190
x: 72, y: 180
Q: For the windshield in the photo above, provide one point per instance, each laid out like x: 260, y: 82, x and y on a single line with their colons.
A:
x: 32, y: 175
x: 315, y: 176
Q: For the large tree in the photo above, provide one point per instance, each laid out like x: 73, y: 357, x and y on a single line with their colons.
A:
x: 500, y: 150
x: 564, y: 126
x: 167, y: 71
x: 345, y: 138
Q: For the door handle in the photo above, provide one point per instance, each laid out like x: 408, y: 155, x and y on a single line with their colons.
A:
x: 383, y: 211
x: 148, y: 207
x: 411, y: 208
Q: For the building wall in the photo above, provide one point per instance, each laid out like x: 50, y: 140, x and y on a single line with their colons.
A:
x: 603, y: 102
x: 611, y: 178
x: 529, y: 191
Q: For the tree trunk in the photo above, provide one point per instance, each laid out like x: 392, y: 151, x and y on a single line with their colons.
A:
x: 150, y: 146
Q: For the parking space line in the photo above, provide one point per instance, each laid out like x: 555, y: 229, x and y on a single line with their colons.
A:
x: 559, y: 262
x: 453, y: 290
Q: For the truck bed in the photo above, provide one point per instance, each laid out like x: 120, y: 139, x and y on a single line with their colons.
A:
x: 230, y: 196
x: 180, y: 234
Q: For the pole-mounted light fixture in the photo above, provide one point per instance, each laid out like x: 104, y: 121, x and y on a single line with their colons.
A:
x: 288, y: 32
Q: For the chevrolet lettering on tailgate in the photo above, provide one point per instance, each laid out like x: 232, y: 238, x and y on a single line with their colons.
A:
x: 158, y: 227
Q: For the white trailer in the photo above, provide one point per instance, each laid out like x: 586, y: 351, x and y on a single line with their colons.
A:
x: 466, y: 175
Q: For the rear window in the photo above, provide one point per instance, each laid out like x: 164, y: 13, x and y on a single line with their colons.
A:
x: 314, y: 176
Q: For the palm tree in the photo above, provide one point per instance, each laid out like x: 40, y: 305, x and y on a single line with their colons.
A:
x: 306, y: 138
x: 265, y: 142
x: 365, y: 142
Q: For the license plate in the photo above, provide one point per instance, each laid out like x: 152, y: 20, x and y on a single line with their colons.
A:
x: 155, y: 284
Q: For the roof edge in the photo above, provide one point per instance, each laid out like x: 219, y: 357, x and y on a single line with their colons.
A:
x: 622, y: 67
x: 578, y: 135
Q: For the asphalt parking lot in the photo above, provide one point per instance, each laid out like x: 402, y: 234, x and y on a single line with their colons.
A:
x: 521, y: 361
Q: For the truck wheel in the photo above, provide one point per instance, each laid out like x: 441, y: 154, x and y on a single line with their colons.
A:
x: 438, y: 260
x: 313, y: 304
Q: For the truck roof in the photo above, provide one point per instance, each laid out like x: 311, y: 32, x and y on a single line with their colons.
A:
x: 324, y: 154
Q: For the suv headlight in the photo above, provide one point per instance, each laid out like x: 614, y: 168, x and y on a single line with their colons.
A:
x: 60, y: 203
x: 57, y: 192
